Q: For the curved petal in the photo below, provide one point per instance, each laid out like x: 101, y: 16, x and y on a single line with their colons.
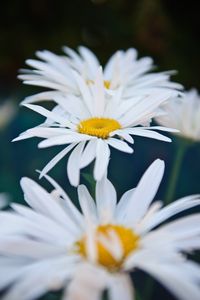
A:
x: 106, y: 199
x: 144, y: 193
x: 102, y: 159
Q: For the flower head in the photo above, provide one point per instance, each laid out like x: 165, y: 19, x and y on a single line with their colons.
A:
x: 123, y: 70
x: 93, y: 122
x: 183, y: 114
x: 52, y: 245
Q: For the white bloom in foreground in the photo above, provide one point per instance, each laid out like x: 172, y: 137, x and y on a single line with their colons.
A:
x: 184, y: 114
x: 52, y: 245
x: 123, y: 70
x: 91, y: 123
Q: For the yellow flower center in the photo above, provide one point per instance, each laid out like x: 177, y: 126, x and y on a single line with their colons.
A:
x: 128, y: 239
x: 100, y: 127
x: 107, y: 83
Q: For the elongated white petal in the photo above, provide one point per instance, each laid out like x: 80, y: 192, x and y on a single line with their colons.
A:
x: 73, y: 165
x: 90, y: 59
x: 144, y: 192
x: 86, y: 202
x: 150, y: 134
x: 70, y: 208
x: 176, y: 281
x: 106, y: 199
x: 91, y: 282
x: 39, y: 279
x: 98, y: 94
x: 170, y: 210
x: 123, y: 134
x: 121, y: 287
x: 102, y: 159
x: 56, y: 159
x: 48, y: 114
x: 42, y: 202
x: 119, y: 145
x: 89, y: 153
x: 18, y: 246
x: 63, y: 139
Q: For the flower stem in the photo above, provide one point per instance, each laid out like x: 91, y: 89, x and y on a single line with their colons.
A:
x: 181, y: 150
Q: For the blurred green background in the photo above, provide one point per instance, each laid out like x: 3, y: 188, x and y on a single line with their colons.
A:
x: 167, y: 30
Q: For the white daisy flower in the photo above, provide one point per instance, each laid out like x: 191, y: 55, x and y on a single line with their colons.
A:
x: 92, y: 123
x: 184, y: 114
x: 52, y: 245
x: 123, y: 69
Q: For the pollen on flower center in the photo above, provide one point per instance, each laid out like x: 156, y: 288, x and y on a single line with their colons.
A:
x: 128, y: 239
x: 106, y: 83
x: 100, y: 127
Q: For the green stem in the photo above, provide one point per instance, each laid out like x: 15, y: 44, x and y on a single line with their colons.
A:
x: 182, y: 147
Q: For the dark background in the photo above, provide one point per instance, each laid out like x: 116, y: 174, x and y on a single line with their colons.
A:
x: 167, y: 30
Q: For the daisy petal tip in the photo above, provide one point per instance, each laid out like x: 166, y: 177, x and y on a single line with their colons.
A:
x: 18, y: 138
x: 159, y: 163
x: 25, y: 181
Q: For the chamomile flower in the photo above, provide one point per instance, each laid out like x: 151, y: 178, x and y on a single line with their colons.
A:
x: 90, y: 124
x: 123, y: 70
x: 52, y: 245
x: 184, y: 114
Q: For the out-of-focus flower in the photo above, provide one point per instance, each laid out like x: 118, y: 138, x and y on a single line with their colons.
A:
x: 183, y: 114
x: 123, y: 71
x: 93, y: 122
x: 7, y: 112
x: 4, y: 200
x: 52, y: 245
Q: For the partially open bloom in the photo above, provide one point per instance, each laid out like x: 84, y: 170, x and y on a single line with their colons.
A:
x: 123, y: 70
x: 183, y: 114
x: 93, y: 122
x: 52, y: 245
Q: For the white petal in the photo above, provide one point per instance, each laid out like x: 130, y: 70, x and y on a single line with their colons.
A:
x: 171, y: 210
x: 120, y: 288
x: 21, y: 246
x: 63, y: 139
x: 98, y: 94
x: 102, y: 159
x: 119, y: 145
x: 86, y: 202
x: 144, y: 192
x: 56, y: 159
x: 39, y: 279
x: 124, y: 135
x: 48, y: 114
x: 89, y: 153
x: 70, y: 208
x: 123, y: 202
x: 149, y: 134
x: 73, y: 165
x: 88, y: 284
x: 42, y: 202
x: 90, y: 58
x: 106, y: 199
x: 174, y: 279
